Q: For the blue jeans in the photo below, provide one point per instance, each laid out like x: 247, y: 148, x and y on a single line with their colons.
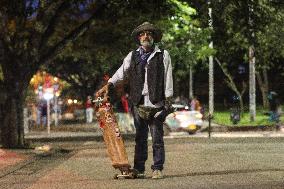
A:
x: 141, y: 148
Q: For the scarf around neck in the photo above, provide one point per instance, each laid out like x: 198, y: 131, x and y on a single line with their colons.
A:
x: 144, y: 56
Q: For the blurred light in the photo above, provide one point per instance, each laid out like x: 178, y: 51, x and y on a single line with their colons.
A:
x: 55, y: 79
x: 199, y: 115
x: 49, y: 90
x: 191, y: 127
x: 70, y: 101
x: 75, y: 101
x: 57, y: 94
x: 48, y: 96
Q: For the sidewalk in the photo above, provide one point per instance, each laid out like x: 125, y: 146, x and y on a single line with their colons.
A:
x: 255, y: 163
x: 43, y: 136
x: 8, y: 158
x: 11, y: 160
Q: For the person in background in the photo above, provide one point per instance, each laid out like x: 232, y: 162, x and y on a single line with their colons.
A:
x: 89, y: 110
x: 127, y: 114
x: 38, y: 113
x: 195, y: 104
x: 274, y: 104
x: 44, y: 114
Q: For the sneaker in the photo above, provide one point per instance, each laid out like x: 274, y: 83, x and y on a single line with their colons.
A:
x: 157, y: 174
x: 139, y: 174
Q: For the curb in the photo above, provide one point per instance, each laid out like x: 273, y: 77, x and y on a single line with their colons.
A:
x: 97, y: 136
x: 225, y: 128
x: 83, y: 137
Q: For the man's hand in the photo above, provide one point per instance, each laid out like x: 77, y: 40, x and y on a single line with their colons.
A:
x: 104, y: 91
x: 161, y: 115
x: 168, y: 104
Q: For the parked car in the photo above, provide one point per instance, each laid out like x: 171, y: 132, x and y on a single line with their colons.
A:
x: 183, y: 120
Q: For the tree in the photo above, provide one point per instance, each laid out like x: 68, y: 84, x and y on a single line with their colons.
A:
x: 232, y: 35
x: 270, y: 45
x: 31, y: 35
x: 101, y: 50
x: 188, y: 43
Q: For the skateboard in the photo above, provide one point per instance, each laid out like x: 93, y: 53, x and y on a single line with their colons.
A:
x: 113, y: 139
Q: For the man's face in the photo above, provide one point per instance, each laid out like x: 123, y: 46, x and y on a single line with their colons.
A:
x: 146, y: 39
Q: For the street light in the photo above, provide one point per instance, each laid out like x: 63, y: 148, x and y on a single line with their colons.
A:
x: 48, y: 96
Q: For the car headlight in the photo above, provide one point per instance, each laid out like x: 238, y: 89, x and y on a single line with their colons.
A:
x: 192, y: 127
x: 199, y: 116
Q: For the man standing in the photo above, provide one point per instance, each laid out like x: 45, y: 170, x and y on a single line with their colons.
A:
x: 149, y: 72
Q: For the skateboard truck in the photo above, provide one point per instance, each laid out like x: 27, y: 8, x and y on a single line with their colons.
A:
x: 98, y: 101
x: 126, y: 173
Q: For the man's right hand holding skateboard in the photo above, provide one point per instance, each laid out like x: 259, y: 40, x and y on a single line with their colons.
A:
x: 104, y: 92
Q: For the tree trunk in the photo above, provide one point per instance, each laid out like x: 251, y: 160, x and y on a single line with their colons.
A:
x: 12, y: 131
x: 252, y: 103
x: 190, y: 83
x: 241, y: 102
x: 262, y: 80
x: 241, y: 105
x: 211, y: 66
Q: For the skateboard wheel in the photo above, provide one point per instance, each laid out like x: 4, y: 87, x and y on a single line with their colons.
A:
x: 115, y: 176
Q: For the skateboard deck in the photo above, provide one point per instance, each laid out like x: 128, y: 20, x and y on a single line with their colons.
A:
x: 113, y: 139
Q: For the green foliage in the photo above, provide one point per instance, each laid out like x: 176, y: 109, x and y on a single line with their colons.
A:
x: 187, y: 41
x: 101, y: 49
x: 233, y: 32
x: 223, y: 118
x: 271, y: 37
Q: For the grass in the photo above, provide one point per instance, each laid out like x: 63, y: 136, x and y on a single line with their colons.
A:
x: 223, y: 118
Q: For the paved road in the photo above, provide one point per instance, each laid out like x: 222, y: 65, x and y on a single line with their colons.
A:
x: 202, y: 163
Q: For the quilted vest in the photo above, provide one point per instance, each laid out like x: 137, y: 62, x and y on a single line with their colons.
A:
x: 155, y: 78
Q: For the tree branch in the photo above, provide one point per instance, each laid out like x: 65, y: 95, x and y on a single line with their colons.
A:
x: 265, y: 76
x: 42, y: 10
x: 244, y: 88
x: 229, y: 80
x: 73, y: 35
x: 53, y: 22
x: 229, y: 77
x: 73, y: 79
x: 259, y: 79
x: 231, y: 84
